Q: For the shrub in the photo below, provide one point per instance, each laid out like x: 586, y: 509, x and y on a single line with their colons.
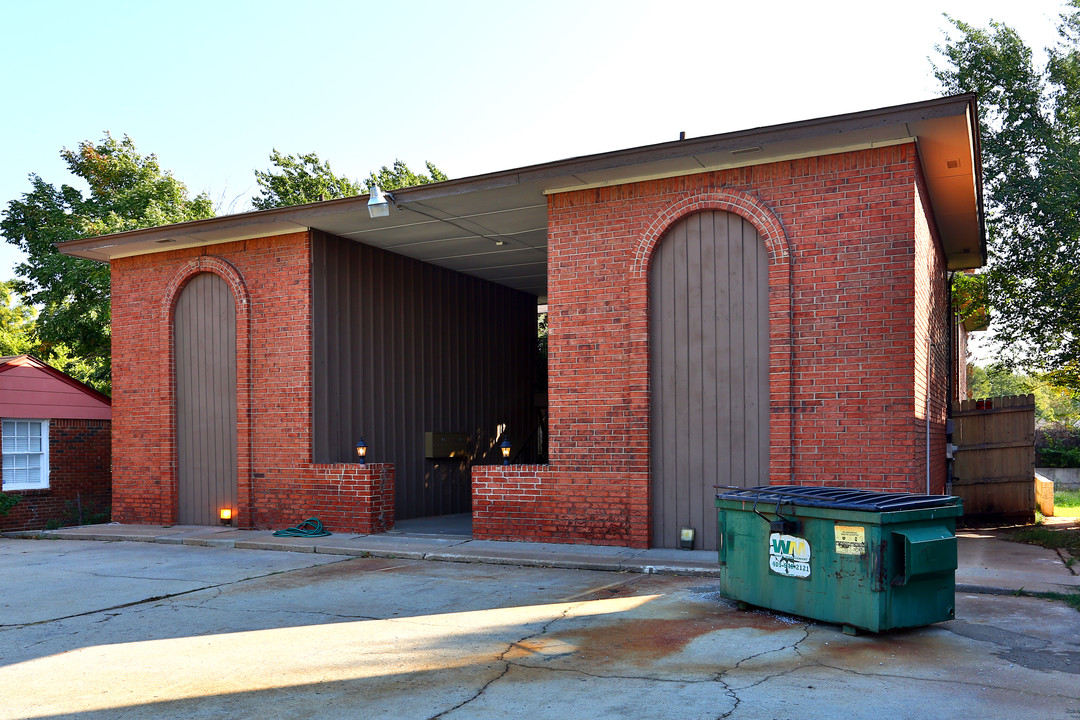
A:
x: 7, y: 502
x: 1057, y: 445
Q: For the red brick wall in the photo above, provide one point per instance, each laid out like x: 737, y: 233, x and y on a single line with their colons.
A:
x: 79, y: 475
x: 932, y: 321
x: 847, y: 235
x: 278, y: 483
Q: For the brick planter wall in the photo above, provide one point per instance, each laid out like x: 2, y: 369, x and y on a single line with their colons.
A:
x: 348, y: 497
x: 79, y: 474
x: 856, y: 287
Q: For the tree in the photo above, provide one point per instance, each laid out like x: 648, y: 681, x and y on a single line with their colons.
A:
x: 1030, y: 128
x: 16, y: 322
x: 299, y: 179
x: 400, y: 176
x: 1053, y: 403
x: 128, y: 191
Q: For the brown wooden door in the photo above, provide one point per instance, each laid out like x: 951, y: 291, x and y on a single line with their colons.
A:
x: 205, y: 347
x: 709, y: 352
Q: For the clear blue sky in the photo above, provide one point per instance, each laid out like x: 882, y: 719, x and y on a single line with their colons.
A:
x: 212, y: 87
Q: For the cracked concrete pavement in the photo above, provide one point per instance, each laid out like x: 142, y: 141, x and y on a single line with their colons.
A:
x: 93, y: 630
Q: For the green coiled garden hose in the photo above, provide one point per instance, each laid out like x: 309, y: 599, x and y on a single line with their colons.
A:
x: 311, y: 527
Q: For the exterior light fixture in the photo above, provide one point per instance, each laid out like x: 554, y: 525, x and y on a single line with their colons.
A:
x: 686, y: 538
x: 361, y: 451
x: 226, y: 516
x: 378, y: 204
x: 505, y: 447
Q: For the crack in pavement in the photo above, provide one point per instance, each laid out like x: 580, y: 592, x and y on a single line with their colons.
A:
x: 156, y: 598
x: 501, y: 657
x: 717, y: 679
x: 899, y: 676
x: 274, y: 611
x: 1030, y: 652
x: 151, y: 578
x: 734, y: 693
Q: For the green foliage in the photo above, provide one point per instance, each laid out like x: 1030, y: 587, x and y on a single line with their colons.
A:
x: 970, y: 301
x: 7, y: 502
x: 1059, y: 458
x: 1066, y: 500
x: 16, y: 322
x: 1049, y: 538
x: 1057, y: 445
x: 1054, y: 403
x: 75, y: 514
x: 1030, y: 128
x: 400, y: 176
x: 128, y: 191
x: 299, y: 179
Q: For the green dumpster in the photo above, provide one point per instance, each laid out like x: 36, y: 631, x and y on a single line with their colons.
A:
x: 865, y: 560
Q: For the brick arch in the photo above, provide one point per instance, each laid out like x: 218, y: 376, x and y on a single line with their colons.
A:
x: 728, y: 200
x: 207, y: 263
x: 244, y: 428
x: 781, y: 338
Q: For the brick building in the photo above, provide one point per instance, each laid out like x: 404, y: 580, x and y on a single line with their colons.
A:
x: 762, y: 306
x: 55, y: 448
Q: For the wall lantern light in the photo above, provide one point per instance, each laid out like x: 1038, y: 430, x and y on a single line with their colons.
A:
x: 226, y: 516
x: 378, y: 204
x: 361, y: 451
x: 686, y: 538
x: 505, y: 447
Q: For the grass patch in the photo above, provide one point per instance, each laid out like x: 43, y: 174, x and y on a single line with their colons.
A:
x: 1048, y: 537
x: 1067, y: 503
x: 1052, y: 538
x: 1070, y: 599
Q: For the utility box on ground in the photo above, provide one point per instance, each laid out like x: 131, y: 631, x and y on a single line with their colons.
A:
x: 864, y: 560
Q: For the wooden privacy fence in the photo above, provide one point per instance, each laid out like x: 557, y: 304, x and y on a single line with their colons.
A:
x: 994, y: 462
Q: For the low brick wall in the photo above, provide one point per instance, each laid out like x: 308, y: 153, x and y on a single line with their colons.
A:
x: 80, y: 476
x: 538, y: 503
x: 349, y: 497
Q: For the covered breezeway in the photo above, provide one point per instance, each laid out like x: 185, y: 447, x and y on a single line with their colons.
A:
x: 419, y: 328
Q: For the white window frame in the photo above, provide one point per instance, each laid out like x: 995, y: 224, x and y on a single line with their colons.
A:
x: 10, y: 456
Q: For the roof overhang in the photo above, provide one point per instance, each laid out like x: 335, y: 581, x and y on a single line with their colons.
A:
x: 494, y: 226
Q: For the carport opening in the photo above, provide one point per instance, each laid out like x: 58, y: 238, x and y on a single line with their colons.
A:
x: 433, y: 368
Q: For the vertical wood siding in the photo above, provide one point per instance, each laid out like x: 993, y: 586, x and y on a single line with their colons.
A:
x: 205, y: 347
x: 709, y: 340
x: 994, y: 468
x: 400, y: 348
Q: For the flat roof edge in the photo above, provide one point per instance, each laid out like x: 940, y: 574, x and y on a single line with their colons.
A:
x: 946, y: 106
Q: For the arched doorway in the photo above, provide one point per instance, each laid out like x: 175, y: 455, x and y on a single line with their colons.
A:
x: 709, y: 365
x: 204, y: 343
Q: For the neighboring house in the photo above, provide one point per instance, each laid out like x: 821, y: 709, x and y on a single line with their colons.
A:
x: 55, y: 453
x: 765, y: 306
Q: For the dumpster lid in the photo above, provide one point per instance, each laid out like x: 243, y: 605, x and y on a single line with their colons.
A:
x: 838, y: 498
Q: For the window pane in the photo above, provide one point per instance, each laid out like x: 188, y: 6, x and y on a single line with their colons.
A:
x: 24, y: 462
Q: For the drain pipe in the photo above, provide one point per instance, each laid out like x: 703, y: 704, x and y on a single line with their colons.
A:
x: 929, y: 349
x: 952, y: 365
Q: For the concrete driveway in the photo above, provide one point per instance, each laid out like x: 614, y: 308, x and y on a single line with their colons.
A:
x: 94, y: 630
